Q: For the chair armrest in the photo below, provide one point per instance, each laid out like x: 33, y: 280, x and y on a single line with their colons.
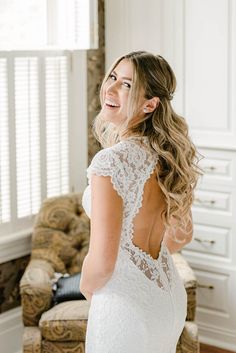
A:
x: 185, y: 271
x: 32, y: 340
x: 189, y: 340
x: 36, y: 291
x: 190, y: 283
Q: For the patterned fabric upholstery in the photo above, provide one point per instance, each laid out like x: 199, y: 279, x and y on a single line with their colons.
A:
x: 189, y: 338
x: 63, y: 347
x: 32, y: 340
x: 60, y: 242
x: 66, y: 321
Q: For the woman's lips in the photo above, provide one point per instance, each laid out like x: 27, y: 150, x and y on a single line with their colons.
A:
x: 111, y: 103
x: 110, y: 106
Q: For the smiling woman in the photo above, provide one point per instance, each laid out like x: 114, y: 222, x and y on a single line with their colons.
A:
x: 139, y: 200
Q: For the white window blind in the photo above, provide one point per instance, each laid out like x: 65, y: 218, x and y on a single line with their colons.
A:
x: 57, y: 125
x: 4, y: 146
x: 27, y: 136
x: 34, y: 152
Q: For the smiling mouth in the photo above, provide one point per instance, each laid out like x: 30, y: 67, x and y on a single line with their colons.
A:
x: 111, y: 106
x: 110, y: 103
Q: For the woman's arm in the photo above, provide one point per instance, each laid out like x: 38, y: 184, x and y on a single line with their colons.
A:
x: 87, y: 295
x: 91, y: 279
x: 106, y: 223
x: 185, y: 238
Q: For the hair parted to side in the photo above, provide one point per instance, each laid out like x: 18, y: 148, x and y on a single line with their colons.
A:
x: 177, y: 167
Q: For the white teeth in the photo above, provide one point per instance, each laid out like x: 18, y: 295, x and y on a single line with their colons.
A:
x: 113, y: 104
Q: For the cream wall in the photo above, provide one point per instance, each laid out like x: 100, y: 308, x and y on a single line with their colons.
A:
x: 132, y: 25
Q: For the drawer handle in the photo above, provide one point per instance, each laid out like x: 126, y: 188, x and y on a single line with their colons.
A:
x: 205, y: 202
x: 207, y: 286
x: 210, y: 168
x: 205, y: 240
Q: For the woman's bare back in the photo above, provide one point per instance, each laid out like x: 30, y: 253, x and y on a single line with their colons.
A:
x: 148, y: 224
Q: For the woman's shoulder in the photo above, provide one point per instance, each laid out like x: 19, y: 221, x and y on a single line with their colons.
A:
x: 136, y: 145
x: 119, y: 149
x: 106, y: 161
x: 133, y: 143
x: 132, y: 150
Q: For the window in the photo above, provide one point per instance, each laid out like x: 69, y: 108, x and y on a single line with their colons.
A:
x: 73, y: 24
x: 22, y: 23
x: 37, y: 107
x: 47, y: 24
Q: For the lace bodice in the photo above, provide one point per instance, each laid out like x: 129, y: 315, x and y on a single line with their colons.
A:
x: 130, y: 164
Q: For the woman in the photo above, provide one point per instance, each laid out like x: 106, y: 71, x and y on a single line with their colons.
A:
x: 139, y: 200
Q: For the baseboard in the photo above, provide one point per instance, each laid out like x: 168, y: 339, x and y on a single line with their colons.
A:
x: 214, y: 336
x: 11, y: 331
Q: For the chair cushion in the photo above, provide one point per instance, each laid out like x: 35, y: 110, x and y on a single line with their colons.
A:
x: 66, y: 321
x: 61, y: 233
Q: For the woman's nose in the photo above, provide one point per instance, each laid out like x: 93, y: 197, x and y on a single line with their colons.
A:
x: 112, y: 87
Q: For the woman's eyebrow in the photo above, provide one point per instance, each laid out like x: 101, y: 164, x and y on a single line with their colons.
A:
x: 125, y: 78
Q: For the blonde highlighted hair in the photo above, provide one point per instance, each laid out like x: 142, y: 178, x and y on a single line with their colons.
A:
x: 177, y: 168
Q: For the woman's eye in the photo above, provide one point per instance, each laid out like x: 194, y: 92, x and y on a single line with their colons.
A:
x: 113, y: 77
x: 126, y: 84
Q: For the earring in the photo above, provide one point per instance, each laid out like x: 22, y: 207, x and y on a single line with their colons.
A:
x: 145, y: 110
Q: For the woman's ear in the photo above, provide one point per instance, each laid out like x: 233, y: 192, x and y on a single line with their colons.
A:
x: 151, y: 104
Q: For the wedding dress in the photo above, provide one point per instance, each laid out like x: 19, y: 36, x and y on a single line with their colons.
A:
x: 142, y: 308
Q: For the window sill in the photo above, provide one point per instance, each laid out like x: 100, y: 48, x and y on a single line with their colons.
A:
x: 15, y: 245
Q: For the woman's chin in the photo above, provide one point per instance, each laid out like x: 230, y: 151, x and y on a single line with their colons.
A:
x: 115, y: 119
x: 110, y: 119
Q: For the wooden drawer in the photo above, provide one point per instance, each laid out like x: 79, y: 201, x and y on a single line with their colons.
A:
x: 210, y: 240
x: 212, y: 290
x: 219, y: 167
x: 210, y: 199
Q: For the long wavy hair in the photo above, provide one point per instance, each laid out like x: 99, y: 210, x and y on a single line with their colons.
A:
x: 177, y: 167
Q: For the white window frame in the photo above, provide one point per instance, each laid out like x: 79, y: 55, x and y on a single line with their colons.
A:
x: 16, y: 244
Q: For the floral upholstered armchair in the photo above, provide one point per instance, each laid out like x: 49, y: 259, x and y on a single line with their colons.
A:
x: 60, y: 242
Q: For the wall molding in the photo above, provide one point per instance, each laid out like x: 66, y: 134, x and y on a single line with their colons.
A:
x: 11, y: 331
x: 222, y: 338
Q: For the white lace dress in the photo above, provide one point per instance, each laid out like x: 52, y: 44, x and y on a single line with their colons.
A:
x: 143, y: 306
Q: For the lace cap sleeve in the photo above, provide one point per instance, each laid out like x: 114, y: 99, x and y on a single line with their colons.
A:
x: 107, y: 163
